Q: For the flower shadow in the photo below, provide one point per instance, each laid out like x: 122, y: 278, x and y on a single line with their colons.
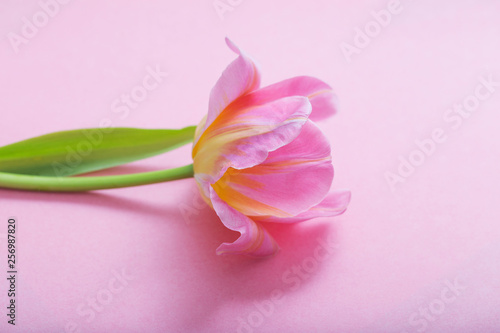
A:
x: 241, y: 280
x: 215, y: 282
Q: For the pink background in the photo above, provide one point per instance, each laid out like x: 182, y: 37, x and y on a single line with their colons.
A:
x: 395, y: 252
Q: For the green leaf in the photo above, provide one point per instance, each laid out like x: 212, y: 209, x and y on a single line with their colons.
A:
x: 74, y: 152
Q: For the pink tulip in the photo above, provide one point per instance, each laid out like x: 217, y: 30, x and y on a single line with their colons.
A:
x: 259, y: 158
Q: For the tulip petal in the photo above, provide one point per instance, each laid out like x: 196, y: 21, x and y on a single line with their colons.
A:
x: 334, y: 204
x: 290, y: 181
x: 320, y: 94
x: 253, y: 241
x: 244, y: 138
x: 239, y: 78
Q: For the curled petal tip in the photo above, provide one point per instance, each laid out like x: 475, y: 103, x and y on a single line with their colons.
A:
x: 232, y: 46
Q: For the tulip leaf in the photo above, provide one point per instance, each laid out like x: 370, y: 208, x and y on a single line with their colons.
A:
x: 79, y: 151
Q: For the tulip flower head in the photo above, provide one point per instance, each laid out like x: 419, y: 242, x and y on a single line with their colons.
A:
x: 259, y: 158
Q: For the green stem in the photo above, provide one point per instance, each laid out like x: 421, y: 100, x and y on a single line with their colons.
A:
x: 80, y: 184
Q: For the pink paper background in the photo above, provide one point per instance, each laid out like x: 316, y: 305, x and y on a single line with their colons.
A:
x: 394, y: 253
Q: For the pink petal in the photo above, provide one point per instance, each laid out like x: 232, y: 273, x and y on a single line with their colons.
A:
x: 239, y: 78
x: 254, y: 240
x: 334, y: 204
x: 243, y: 138
x: 291, y: 180
x: 320, y: 94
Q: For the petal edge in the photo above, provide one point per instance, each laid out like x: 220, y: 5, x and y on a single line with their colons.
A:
x: 254, y: 240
